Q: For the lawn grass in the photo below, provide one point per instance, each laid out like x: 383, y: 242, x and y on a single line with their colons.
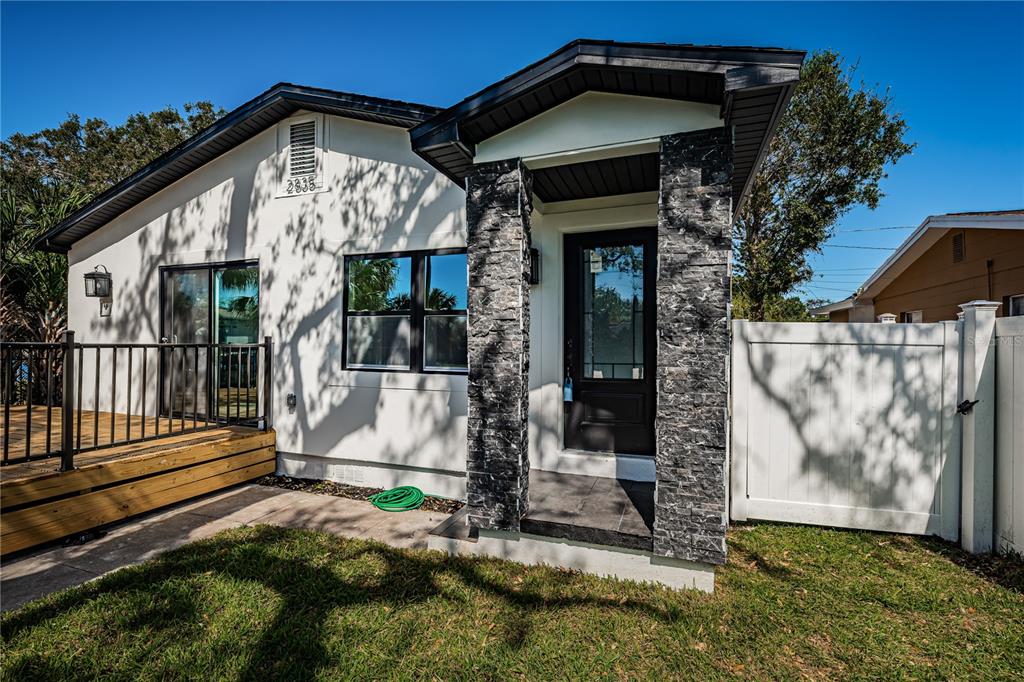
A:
x: 266, y: 603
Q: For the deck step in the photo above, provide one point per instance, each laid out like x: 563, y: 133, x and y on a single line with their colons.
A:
x: 51, y: 505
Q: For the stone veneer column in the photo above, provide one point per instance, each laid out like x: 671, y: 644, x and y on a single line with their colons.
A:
x: 694, y: 246
x: 498, y: 205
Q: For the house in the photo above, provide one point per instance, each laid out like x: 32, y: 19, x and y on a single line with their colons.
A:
x: 948, y: 260
x: 520, y: 300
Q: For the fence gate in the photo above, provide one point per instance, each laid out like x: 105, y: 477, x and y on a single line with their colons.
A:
x: 1009, y: 436
x: 848, y: 425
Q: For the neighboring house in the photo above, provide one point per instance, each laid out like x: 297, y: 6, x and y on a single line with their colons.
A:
x: 434, y: 279
x: 949, y: 259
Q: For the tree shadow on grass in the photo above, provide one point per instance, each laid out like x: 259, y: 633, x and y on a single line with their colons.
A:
x: 311, y: 589
x: 1005, y: 571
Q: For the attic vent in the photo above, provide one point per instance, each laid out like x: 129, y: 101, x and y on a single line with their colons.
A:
x: 302, y: 149
x: 958, y: 247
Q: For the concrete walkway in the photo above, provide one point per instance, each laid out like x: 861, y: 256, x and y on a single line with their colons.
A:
x: 47, y: 570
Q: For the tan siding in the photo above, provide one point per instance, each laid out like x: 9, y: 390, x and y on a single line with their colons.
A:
x: 937, y: 286
x: 839, y: 316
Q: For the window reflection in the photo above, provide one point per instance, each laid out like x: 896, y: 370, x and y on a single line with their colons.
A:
x: 446, y: 282
x: 379, y: 284
x: 613, y: 301
x: 237, y: 296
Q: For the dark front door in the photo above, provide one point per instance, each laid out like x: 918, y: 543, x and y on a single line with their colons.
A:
x: 609, y: 340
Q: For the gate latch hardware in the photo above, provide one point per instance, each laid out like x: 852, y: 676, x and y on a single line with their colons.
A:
x: 966, y: 406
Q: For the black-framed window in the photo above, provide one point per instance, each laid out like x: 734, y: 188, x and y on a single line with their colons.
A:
x: 406, y: 311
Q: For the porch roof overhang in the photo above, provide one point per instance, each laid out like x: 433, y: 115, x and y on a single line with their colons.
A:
x: 751, y: 85
x: 253, y: 117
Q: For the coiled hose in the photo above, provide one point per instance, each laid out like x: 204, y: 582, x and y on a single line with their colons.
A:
x: 403, y: 498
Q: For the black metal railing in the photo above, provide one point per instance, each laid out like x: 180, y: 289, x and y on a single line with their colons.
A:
x: 60, y: 399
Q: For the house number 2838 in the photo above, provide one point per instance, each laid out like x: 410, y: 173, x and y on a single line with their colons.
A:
x: 304, y: 184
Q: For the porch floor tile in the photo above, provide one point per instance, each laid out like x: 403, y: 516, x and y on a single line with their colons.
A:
x: 603, y: 511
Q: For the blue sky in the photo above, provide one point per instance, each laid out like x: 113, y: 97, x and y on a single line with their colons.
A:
x: 956, y: 72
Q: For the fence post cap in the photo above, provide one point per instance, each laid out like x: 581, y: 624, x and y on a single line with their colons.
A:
x: 980, y: 305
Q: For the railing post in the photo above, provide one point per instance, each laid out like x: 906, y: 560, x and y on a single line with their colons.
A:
x: 978, y: 410
x: 67, y: 430
x: 268, y: 355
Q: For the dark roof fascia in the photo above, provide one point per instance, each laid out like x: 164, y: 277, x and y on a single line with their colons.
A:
x: 747, y: 79
x: 348, y: 105
x: 652, y: 56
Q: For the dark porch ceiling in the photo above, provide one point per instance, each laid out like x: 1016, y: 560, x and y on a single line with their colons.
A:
x: 603, y: 177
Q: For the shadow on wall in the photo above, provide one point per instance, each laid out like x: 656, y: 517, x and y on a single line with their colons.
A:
x: 375, y: 206
x: 230, y: 210
x: 858, y: 424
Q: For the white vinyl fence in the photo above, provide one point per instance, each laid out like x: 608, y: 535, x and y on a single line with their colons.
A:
x: 1009, y: 451
x: 849, y: 425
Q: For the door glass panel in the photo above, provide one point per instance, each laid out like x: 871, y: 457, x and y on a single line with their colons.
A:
x: 187, y: 310
x: 612, y: 312
x: 186, y: 320
x: 237, y: 312
x: 236, y: 321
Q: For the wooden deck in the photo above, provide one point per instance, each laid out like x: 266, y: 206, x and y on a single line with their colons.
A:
x: 39, y: 503
x: 97, y: 428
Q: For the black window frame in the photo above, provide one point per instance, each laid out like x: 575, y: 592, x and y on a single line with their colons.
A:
x: 417, y: 293
x: 211, y: 267
x: 241, y: 264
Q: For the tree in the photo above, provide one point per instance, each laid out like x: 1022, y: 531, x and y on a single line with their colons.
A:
x: 776, y: 309
x: 829, y: 154
x: 92, y: 156
x: 33, y: 284
x: 48, y: 175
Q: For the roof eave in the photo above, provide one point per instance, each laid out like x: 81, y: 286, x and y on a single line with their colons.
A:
x: 405, y: 114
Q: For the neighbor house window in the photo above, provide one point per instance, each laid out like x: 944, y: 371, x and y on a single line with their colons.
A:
x: 912, y: 316
x: 1016, y: 306
x: 959, y: 248
x: 406, y: 312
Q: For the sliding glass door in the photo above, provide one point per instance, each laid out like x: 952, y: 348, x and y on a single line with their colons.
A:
x: 210, y: 304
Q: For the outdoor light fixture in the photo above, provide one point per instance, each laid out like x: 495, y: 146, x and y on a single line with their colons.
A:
x: 97, y: 284
x: 534, y: 266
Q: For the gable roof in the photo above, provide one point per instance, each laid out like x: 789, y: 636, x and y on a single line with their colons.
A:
x: 253, y: 117
x: 752, y: 85
x: 930, y: 231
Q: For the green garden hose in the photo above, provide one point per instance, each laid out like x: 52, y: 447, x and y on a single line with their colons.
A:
x: 403, y: 498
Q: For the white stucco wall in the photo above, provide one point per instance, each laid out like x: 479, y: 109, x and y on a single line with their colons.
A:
x: 597, y: 119
x: 377, y: 428
x: 377, y: 196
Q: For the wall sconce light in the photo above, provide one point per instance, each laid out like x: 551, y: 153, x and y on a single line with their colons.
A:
x: 534, y: 266
x: 98, y: 284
